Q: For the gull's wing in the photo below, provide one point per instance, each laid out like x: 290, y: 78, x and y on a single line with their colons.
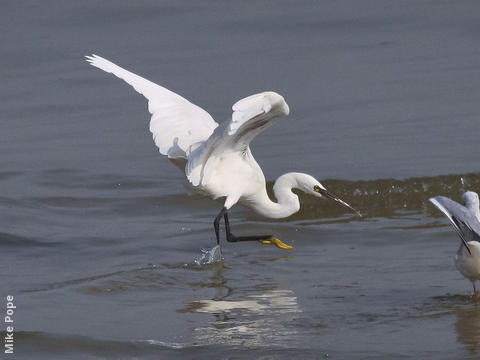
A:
x: 250, y: 116
x: 463, y: 221
x: 176, y: 123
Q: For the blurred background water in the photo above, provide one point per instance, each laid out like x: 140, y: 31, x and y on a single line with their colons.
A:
x: 98, y: 238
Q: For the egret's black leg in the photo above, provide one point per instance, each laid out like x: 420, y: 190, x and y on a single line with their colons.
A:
x: 227, y: 225
x: 265, y: 239
x: 216, y: 224
x: 233, y: 238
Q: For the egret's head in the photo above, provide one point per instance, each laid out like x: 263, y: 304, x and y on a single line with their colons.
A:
x: 310, y: 185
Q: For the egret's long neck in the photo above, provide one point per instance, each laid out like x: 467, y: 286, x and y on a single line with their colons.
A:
x: 287, y: 204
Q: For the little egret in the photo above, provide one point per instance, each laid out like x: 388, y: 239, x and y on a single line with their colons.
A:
x: 216, y: 158
x: 466, y: 222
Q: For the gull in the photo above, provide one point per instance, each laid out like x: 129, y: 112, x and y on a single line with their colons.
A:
x: 216, y: 158
x: 465, y: 219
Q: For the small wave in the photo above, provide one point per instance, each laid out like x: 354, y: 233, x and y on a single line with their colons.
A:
x: 374, y: 198
x: 385, y: 197
x: 38, y: 343
x: 7, y: 175
x: 72, y: 282
x: 145, y: 277
x: 76, y: 179
x: 21, y: 241
x: 171, y: 345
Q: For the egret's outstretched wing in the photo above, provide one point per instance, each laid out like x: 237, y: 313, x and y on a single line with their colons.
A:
x: 176, y: 123
x: 465, y: 223
x: 250, y: 116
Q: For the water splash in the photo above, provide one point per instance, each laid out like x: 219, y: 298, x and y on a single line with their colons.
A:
x: 209, y: 256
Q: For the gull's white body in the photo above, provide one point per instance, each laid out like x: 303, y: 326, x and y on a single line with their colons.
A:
x: 466, y: 221
x: 216, y: 158
x: 469, y: 265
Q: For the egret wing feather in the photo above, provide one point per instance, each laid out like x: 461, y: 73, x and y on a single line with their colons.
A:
x: 176, y: 123
x: 250, y: 116
x: 198, y: 157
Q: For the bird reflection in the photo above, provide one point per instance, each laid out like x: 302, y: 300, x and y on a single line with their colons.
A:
x: 217, y: 278
x: 468, y: 328
x: 260, y: 319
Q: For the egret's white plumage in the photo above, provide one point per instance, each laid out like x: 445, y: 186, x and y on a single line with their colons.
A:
x: 176, y: 123
x: 216, y: 158
x: 465, y: 219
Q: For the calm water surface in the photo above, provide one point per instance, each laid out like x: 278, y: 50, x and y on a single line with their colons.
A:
x: 98, y: 239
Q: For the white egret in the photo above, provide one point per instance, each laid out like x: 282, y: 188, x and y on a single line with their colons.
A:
x: 466, y: 222
x: 216, y: 158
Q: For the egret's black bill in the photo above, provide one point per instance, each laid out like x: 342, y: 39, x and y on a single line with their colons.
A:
x: 340, y: 201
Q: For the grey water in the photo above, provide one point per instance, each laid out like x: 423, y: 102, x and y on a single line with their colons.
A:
x: 101, y: 247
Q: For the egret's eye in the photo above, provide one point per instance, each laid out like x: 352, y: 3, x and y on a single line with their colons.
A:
x: 316, y: 188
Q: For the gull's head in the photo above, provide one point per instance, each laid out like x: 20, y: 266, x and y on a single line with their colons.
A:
x: 471, y: 201
x: 312, y: 186
x: 470, y: 197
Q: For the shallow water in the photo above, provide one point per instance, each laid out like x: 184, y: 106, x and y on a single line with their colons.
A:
x: 99, y: 242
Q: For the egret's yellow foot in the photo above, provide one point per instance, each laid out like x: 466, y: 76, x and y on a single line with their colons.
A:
x: 277, y: 242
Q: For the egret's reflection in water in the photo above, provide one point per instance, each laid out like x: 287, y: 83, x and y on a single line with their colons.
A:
x: 263, y: 318
x: 252, y: 321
